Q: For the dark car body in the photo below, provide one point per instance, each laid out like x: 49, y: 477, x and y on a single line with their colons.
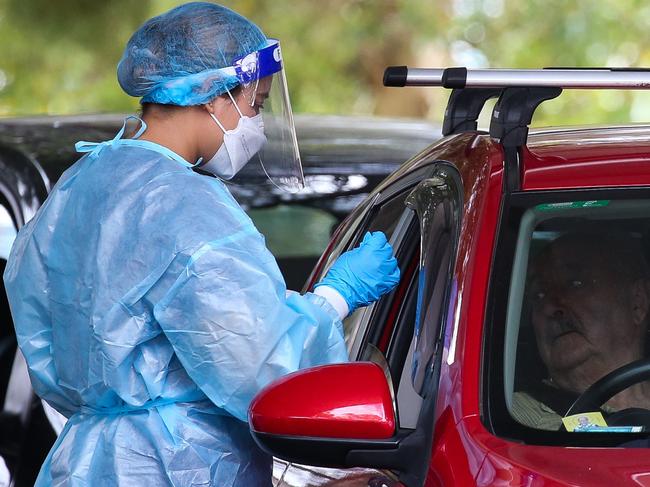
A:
x: 343, y: 159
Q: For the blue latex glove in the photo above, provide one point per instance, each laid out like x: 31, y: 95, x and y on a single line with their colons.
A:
x: 366, y: 273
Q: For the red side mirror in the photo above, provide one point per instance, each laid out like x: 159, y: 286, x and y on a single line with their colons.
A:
x: 348, y: 401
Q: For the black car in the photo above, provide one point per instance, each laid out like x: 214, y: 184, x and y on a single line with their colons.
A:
x: 344, y: 158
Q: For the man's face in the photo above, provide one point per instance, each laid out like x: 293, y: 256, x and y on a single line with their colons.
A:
x: 588, y: 314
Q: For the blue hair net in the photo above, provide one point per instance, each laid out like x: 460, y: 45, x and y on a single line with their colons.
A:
x: 177, y: 58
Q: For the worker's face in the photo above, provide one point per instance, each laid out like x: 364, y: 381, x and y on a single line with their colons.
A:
x: 250, y: 102
x: 258, y: 98
x: 588, y: 315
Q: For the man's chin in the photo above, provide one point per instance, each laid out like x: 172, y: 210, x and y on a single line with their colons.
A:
x: 567, y: 360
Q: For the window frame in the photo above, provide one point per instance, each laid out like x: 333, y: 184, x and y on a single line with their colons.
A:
x: 366, y: 317
x: 408, y: 452
x: 402, y: 303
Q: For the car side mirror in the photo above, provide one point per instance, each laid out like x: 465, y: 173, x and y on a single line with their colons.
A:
x: 327, y: 415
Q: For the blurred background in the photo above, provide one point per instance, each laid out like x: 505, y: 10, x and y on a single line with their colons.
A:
x: 59, y: 57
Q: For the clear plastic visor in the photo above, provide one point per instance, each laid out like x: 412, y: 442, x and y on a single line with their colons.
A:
x: 265, y: 91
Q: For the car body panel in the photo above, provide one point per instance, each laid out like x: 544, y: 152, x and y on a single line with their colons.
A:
x: 23, y: 184
x: 587, y: 158
x: 481, y: 171
x: 465, y: 452
x: 307, y: 476
x: 511, y: 463
x: 613, y: 161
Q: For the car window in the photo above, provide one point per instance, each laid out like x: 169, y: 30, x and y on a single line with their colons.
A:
x: 390, y: 215
x: 385, y: 332
x: 294, y: 230
x: 578, y: 309
x: 438, y: 204
x: 394, y: 218
x: 296, y: 235
x: 407, y: 326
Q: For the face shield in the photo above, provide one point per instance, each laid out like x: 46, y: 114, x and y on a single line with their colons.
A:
x: 264, y: 84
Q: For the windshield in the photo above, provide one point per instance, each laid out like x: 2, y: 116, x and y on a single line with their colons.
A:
x: 579, y: 309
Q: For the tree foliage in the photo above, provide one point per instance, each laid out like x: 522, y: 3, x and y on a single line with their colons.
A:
x: 60, y: 57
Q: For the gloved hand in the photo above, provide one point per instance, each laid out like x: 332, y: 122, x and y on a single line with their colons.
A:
x: 364, y: 274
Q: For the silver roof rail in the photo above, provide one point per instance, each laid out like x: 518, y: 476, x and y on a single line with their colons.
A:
x: 520, y: 92
x: 566, y: 78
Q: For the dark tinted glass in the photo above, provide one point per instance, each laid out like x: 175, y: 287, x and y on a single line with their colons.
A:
x: 579, y: 309
x: 388, y: 215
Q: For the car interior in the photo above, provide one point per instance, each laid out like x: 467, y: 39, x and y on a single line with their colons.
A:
x: 540, y: 225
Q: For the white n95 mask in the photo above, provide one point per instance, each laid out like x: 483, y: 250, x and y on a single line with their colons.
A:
x: 239, y: 146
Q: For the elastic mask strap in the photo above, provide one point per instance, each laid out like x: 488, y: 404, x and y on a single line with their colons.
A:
x: 223, y: 129
x: 236, y: 106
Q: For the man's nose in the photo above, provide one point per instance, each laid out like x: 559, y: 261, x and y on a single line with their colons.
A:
x: 557, y: 313
x: 555, y: 306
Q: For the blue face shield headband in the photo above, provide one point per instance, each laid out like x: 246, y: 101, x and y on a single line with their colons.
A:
x: 259, y: 64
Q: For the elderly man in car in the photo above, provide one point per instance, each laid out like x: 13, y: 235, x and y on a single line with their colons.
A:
x: 590, y: 300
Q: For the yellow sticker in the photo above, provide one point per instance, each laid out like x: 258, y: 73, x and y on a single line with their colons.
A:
x: 584, y: 422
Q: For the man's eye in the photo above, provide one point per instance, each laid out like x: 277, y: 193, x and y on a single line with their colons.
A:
x: 536, y: 295
x: 576, y: 283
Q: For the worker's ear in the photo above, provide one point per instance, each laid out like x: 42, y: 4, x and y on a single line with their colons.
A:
x: 209, y: 107
x: 217, y: 104
x: 640, y: 300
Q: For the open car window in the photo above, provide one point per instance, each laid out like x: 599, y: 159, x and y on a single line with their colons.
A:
x: 394, y: 218
x: 578, y: 309
x: 406, y: 328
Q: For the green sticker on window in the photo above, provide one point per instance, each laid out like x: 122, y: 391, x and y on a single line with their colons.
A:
x: 573, y: 204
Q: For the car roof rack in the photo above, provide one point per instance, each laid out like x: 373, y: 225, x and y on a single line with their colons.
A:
x: 574, y: 78
x: 520, y: 92
x: 464, y: 107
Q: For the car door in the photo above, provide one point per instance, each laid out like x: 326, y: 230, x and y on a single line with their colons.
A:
x: 25, y: 433
x: 402, y: 332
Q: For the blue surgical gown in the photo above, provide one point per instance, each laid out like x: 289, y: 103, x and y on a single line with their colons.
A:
x: 150, y: 313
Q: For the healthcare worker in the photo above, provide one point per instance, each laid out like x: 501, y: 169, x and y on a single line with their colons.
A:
x: 145, y: 301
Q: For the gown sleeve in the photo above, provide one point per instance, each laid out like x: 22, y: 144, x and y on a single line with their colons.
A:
x: 29, y: 300
x: 234, y: 327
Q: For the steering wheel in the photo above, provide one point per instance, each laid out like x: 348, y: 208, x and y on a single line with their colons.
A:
x: 610, y: 385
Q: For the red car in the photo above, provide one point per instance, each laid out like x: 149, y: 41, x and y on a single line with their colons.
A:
x: 514, y: 350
